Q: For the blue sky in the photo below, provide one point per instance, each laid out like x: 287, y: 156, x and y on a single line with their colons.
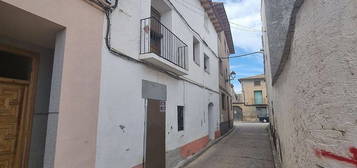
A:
x: 246, y: 36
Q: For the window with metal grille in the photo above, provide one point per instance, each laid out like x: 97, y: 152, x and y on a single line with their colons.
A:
x: 180, y: 118
x: 223, y: 102
x: 257, y: 83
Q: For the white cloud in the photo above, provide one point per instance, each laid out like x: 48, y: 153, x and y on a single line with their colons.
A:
x: 247, y: 14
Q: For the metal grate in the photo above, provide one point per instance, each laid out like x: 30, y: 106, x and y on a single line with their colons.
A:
x: 158, y: 39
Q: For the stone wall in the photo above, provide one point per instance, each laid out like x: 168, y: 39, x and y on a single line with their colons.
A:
x: 314, y: 98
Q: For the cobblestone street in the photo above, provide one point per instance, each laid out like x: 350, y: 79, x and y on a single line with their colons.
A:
x: 247, y: 147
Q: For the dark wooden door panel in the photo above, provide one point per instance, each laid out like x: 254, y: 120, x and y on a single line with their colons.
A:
x: 11, y: 96
x: 155, y: 140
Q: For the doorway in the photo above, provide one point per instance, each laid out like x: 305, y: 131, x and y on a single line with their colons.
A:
x: 18, y: 70
x: 155, y: 134
x: 211, y: 124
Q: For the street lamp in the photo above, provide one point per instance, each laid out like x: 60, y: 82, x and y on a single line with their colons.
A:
x: 231, y: 76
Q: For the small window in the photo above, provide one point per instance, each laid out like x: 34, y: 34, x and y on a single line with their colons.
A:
x: 206, y: 63
x: 196, y: 51
x: 206, y: 22
x: 257, y: 83
x: 223, y: 98
x: 180, y: 118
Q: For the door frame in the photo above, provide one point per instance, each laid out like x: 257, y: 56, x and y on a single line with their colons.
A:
x: 146, y: 126
x: 211, y: 121
x: 28, y: 105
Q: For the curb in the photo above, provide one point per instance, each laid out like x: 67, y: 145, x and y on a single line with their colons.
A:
x: 277, y: 163
x: 190, y: 159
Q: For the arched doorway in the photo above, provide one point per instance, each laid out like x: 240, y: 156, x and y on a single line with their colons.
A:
x: 211, y: 123
x: 238, y: 113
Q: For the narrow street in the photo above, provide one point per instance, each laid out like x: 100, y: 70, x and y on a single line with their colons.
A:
x: 247, y: 147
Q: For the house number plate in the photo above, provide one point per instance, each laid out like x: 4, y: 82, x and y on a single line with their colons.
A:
x: 162, y: 106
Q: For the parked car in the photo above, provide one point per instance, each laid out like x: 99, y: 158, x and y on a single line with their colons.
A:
x: 264, y: 119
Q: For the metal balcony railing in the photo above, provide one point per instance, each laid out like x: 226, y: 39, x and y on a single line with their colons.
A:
x: 253, y: 101
x: 158, y: 39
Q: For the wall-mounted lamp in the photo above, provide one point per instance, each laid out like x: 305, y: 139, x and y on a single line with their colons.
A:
x: 231, y: 76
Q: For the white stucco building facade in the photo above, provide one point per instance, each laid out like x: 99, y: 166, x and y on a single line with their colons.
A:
x: 185, y: 79
x: 310, y: 65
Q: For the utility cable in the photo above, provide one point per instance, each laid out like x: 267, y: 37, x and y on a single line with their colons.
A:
x: 243, y: 55
x: 245, y: 27
x: 189, y: 26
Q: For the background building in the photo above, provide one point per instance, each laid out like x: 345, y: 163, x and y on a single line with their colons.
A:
x: 225, y: 48
x: 310, y: 62
x: 254, y: 95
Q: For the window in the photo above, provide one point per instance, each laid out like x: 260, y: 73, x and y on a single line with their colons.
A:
x: 223, y: 98
x: 258, y: 97
x: 206, y: 63
x: 206, y: 22
x: 196, y: 51
x: 226, y: 76
x: 257, y: 83
x: 220, y: 67
x: 180, y: 118
x: 228, y: 105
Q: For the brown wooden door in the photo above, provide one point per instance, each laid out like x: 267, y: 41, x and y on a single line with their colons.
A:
x: 155, y: 134
x: 11, y: 100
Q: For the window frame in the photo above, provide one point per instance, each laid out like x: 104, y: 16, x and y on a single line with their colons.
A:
x: 206, y: 63
x: 223, y: 101
x: 180, y: 118
x: 196, y: 51
x: 255, y: 82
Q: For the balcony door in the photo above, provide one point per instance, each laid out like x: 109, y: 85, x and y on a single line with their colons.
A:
x: 155, y: 34
x: 258, y: 97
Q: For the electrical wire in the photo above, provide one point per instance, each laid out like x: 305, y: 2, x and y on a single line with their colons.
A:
x: 244, y: 27
x: 192, y: 29
x: 190, y: 7
x: 243, y: 55
x: 246, y: 30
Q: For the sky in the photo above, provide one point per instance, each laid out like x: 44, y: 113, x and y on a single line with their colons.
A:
x: 245, y: 19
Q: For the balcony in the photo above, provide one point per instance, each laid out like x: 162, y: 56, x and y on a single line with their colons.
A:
x: 162, y: 48
x: 257, y: 102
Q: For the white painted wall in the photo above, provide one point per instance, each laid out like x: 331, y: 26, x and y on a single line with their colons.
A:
x: 121, y: 102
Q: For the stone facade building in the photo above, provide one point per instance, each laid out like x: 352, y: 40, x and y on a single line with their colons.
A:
x: 253, y: 100
x: 311, y: 66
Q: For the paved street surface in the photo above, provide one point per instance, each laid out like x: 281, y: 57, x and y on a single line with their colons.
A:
x: 247, y: 147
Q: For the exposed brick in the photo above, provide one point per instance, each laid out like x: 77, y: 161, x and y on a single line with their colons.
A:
x: 194, y: 146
